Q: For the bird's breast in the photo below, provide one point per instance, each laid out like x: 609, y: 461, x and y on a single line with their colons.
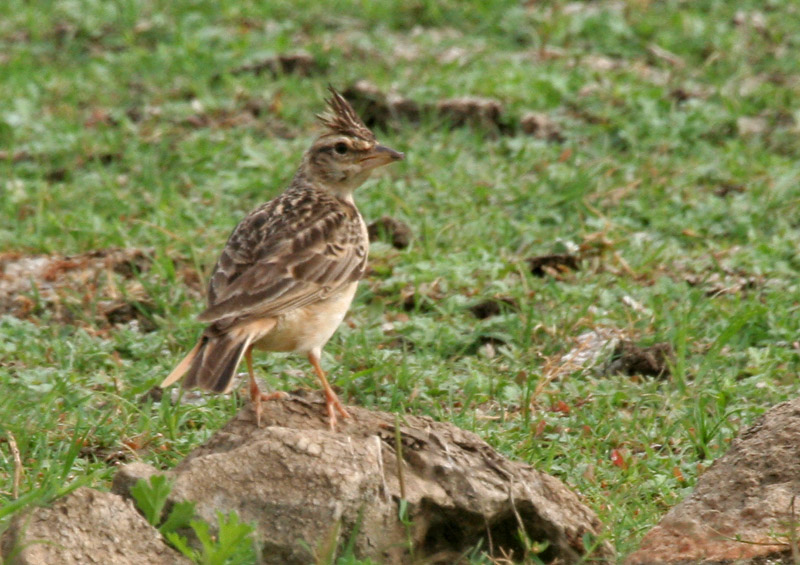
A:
x: 309, y: 327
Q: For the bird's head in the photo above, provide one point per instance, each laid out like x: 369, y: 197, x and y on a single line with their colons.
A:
x: 343, y: 157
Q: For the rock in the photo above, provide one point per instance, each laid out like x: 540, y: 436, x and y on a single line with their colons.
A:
x: 86, y: 526
x: 300, y: 483
x: 396, y: 232
x: 300, y: 63
x: 493, y: 306
x: 130, y: 474
x: 631, y: 359
x: 742, y: 507
x: 486, y: 113
x: 385, y: 110
x: 751, y: 125
x: 379, y: 109
x: 589, y: 350
x: 553, y: 264
x: 727, y: 188
x: 541, y: 126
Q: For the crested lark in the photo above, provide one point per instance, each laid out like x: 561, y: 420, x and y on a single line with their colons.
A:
x: 288, y: 273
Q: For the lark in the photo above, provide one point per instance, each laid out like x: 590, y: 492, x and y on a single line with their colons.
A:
x: 288, y: 273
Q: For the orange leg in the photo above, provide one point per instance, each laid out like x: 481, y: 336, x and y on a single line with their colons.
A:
x: 331, y: 400
x: 256, y: 396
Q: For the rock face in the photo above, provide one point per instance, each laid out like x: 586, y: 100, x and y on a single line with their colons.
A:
x: 299, y: 482
x: 86, y: 526
x: 742, y: 508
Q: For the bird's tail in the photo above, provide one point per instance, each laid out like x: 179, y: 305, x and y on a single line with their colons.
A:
x: 211, y: 364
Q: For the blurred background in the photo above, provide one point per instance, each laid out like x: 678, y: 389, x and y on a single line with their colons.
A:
x: 599, y: 217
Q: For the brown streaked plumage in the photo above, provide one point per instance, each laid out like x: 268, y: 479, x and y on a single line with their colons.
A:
x: 289, y: 270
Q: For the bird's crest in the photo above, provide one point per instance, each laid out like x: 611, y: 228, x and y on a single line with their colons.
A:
x: 342, y: 119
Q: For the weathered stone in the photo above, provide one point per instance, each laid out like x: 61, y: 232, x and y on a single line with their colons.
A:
x: 632, y: 359
x: 394, y: 231
x: 130, y: 474
x: 379, y: 109
x: 298, y: 482
x: 472, y: 110
x: 299, y: 63
x: 541, y: 126
x: 743, y: 508
x: 86, y: 526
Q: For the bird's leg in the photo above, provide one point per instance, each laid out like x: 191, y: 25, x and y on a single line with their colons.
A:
x: 256, y: 396
x: 255, y: 392
x: 331, y: 400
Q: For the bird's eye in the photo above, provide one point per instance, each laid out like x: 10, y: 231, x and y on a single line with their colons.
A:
x: 340, y: 148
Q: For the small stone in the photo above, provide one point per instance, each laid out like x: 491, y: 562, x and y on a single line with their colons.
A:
x: 472, y: 110
x: 751, y: 125
x: 356, y: 483
x: 541, y: 126
x: 128, y: 475
x: 86, y: 526
x: 389, y: 229
x: 554, y: 264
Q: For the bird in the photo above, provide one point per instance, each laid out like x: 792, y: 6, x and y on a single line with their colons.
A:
x: 289, y: 270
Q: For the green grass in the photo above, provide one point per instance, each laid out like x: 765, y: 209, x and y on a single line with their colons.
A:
x: 98, y: 104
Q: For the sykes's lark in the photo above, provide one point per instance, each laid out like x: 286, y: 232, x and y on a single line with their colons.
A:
x: 289, y: 270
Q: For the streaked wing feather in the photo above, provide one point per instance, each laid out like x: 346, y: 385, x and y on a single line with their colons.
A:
x: 293, y: 251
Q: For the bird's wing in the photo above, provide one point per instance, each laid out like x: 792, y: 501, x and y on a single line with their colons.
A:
x: 295, y: 250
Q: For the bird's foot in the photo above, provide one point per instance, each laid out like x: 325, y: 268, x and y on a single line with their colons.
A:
x: 277, y: 395
x: 334, y: 406
x: 257, y: 397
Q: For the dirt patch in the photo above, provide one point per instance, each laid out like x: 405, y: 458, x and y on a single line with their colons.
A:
x: 726, y: 282
x: 631, y: 359
x: 541, y: 126
x: 100, y: 287
x: 300, y: 63
x: 391, y: 231
x: 727, y: 188
x: 379, y: 109
x: 422, y: 297
x: 554, y: 265
x: 15, y: 156
x: 486, y: 345
x: 493, y: 307
x: 247, y: 112
x: 590, y: 350
x: 58, y: 174
x: 385, y: 110
x: 482, y: 113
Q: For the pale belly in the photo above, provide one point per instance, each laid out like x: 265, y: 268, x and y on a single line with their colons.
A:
x: 310, y: 327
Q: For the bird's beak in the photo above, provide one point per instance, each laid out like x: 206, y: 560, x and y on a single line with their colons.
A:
x: 381, y: 155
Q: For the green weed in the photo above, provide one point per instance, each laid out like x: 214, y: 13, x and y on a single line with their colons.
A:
x: 231, y: 544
